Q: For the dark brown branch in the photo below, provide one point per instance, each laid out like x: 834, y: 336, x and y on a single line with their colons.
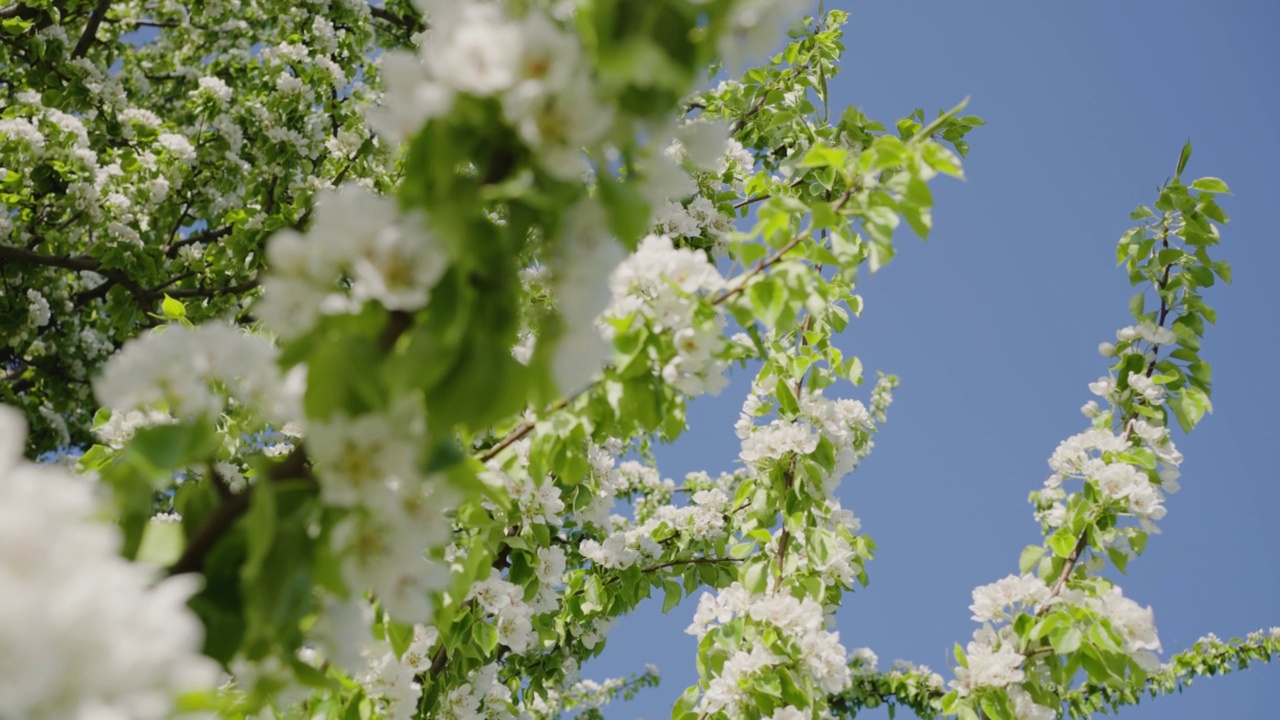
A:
x: 690, y: 561
x: 229, y: 510
x: 1063, y: 576
x: 77, y: 262
x: 413, y: 25
x: 398, y: 322
x: 91, y: 29
x: 214, y: 527
x: 203, y: 237
x: 200, y: 292
x: 745, y: 279
x: 172, y: 281
x: 523, y: 429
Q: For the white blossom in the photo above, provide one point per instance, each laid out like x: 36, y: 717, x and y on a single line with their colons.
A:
x: 992, y: 662
x: 83, y: 632
x: 989, y: 601
x: 189, y: 368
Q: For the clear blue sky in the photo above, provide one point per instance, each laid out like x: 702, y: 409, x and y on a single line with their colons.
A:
x: 993, y: 324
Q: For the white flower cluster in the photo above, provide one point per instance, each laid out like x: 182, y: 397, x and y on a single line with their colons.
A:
x: 1025, y: 708
x: 622, y: 548
x: 990, y: 601
x: 841, y: 562
x: 845, y: 423
x: 993, y: 661
x: 540, y: 503
x: 38, y: 312
x: 481, y: 697
x: 647, y: 491
x: 370, y: 464
x: 864, y: 661
x: 658, y: 282
x: 704, y: 519
x: 1127, y: 336
x: 725, y: 692
x: 390, y: 259
x: 656, y: 279
x: 606, y: 481
x: 531, y: 65
x: 1135, y: 624
x: 1149, y: 390
x: 537, y: 502
x: 342, y: 638
x: 190, y: 369
x: 696, y: 219
x: 513, y: 615
x: 120, y: 426
x: 777, y: 440
x: 391, y: 682
x: 1117, y: 480
x: 707, y: 145
x: 802, y: 622
x: 83, y: 632
x: 932, y: 680
x: 550, y: 573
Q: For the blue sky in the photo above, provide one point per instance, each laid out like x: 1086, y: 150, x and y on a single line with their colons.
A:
x: 993, y: 324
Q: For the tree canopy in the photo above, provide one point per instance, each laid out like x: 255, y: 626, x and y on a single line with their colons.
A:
x: 354, y: 327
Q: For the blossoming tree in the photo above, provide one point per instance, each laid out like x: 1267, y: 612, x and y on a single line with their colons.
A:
x: 371, y: 314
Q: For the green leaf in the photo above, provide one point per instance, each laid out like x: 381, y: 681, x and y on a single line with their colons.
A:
x: 1190, y: 407
x: 1183, y: 158
x: 1223, y: 269
x: 672, y: 595
x: 755, y: 577
x: 260, y: 524
x: 918, y: 192
x: 1063, y: 542
x: 162, y: 543
x: 824, y: 156
x: 1066, y: 640
x: 1210, y: 184
x: 1201, y: 370
x: 1201, y: 274
x: 1118, y: 558
x: 767, y: 300
x: 786, y: 400
x: 1137, y: 304
x: 881, y: 254
x: 1030, y: 556
x: 400, y: 635
x: 169, y: 447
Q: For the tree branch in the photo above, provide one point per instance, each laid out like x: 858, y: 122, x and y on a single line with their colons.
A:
x: 204, y: 237
x: 77, y: 262
x: 408, y: 23
x: 690, y: 561
x: 91, y: 29
x: 229, y: 510
x: 201, y: 292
